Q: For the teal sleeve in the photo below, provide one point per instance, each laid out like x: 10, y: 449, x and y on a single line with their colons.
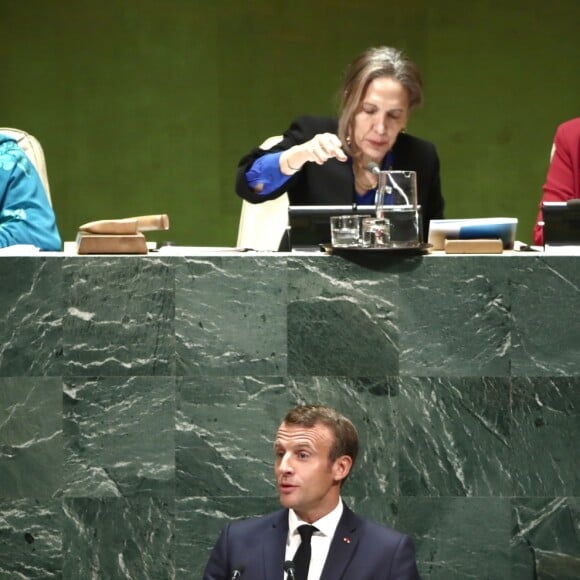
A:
x: 26, y: 216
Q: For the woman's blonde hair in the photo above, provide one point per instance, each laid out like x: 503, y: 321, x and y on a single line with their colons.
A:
x: 373, y: 63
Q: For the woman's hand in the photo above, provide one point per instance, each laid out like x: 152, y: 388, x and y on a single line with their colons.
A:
x: 319, y: 149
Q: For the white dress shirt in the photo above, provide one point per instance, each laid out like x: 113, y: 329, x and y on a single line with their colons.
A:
x: 320, y: 542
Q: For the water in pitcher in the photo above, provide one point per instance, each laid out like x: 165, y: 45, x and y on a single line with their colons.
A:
x: 397, y: 203
x: 405, y: 225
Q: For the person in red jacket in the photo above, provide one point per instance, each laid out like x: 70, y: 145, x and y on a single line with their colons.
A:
x: 563, y: 179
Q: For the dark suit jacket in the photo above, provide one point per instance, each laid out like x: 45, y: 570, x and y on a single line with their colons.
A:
x: 333, y: 182
x: 360, y: 550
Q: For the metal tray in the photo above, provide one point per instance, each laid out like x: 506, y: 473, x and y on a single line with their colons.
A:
x: 360, y: 250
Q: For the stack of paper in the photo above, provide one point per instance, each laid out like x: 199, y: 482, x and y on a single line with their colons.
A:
x: 503, y: 229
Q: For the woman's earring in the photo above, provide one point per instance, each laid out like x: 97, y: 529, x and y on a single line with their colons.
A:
x: 348, y: 140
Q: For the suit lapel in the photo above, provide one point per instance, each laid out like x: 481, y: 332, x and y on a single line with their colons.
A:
x: 343, y: 546
x: 274, y: 547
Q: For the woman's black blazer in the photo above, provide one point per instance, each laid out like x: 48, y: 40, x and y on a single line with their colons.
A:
x: 333, y: 182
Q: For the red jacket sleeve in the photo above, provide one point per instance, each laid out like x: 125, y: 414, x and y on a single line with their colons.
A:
x: 563, y: 178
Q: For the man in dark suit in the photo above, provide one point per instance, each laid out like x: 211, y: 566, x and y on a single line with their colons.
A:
x: 315, y: 450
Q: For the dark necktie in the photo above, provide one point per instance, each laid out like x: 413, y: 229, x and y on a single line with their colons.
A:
x: 302, y: 556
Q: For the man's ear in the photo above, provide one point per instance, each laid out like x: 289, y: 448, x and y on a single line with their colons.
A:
x: 341, y: 467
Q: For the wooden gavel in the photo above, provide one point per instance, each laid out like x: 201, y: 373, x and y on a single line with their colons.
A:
x: 125, y: 226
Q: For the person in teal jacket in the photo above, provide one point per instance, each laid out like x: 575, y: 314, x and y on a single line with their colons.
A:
x: 26, y: 216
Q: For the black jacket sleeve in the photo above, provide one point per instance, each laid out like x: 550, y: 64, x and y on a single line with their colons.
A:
x: 301, y: 130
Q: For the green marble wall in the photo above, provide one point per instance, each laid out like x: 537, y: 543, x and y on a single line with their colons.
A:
x: 139, y: 397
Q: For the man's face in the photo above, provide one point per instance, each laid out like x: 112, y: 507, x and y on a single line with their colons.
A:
x: 307, y: 481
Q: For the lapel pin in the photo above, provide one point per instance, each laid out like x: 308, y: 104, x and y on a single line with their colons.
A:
x: 346, y: 540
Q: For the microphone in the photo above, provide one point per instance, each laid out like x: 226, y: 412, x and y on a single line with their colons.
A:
x: 237, y: 573
x: 290, y: 569
x: 379, y: 196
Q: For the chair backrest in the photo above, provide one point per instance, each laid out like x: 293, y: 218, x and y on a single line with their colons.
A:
x: 262, y: 225
x: 31, y: 146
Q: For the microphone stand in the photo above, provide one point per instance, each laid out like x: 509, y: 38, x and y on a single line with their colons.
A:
x: 381, y: 185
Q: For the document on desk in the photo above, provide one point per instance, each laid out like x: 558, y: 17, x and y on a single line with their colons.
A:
x: 194, y: 250
x: 561, y: 250
x: 472, y: 228
x: 19, y: 250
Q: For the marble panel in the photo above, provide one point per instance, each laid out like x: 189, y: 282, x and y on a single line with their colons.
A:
x: 31, y: 539
x: 459, y: 538
x: 118, y: 538
x: 455, y: 318
x: 31, y: 441
x: 455, y: 436
x: 342, y: 317
x: 545, y: 291
x: 231, y: 316
x: 546, y: 538
x: 119, y: 436
x: 546, y: 432
x: 31, y: 310
x: 225, y: 428
x: 120, y: 316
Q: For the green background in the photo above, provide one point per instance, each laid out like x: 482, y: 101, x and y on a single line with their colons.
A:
x: 146, y: 106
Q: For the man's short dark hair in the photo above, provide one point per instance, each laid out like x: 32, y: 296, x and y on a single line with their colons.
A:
x: 345, y: 433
